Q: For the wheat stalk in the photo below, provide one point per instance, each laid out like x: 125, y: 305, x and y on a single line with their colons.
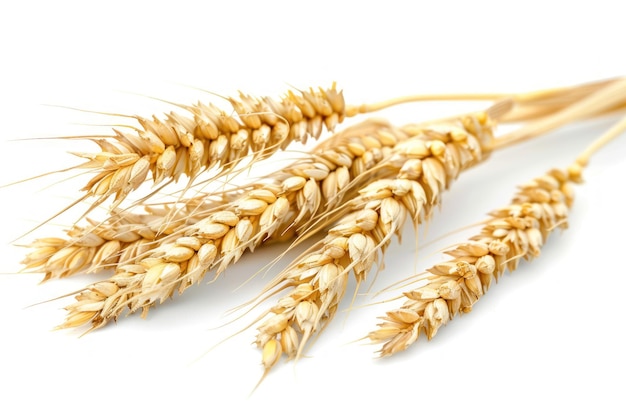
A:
x: 291, y: 201
x: 317, y: 280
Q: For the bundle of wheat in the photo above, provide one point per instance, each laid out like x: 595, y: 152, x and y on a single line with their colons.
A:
x: 359, y: 186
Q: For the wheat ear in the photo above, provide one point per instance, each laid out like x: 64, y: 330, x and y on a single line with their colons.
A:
x: 205, y: 137
x: 514, y: 232
x: 424, y: 166
x: 292, y: 201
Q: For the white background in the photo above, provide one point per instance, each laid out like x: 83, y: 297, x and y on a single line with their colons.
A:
x: 547, y: 338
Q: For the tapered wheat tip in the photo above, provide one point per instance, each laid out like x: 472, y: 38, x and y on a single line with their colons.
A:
x: 282, y: 205
x: 121, y: 238
x: 514, y: 232
x: 206, y: 137
x: 418, y: 170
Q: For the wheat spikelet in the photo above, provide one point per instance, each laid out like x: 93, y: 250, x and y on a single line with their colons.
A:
x: 424, y: 166
x: 517, y: 231
x: 206, y: 137
x: 283, y: 205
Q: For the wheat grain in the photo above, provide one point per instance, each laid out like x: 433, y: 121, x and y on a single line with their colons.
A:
x: 424, y: 166
x: 517, y: 231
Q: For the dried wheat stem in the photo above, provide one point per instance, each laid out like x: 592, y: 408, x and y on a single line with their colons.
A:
x: 425, y: 166
x: 290, y: 201
x: 534, y: 105
x: 606, y: 98
x: 517, y: 231
x: 526, y: 105
x: 608, y: 136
